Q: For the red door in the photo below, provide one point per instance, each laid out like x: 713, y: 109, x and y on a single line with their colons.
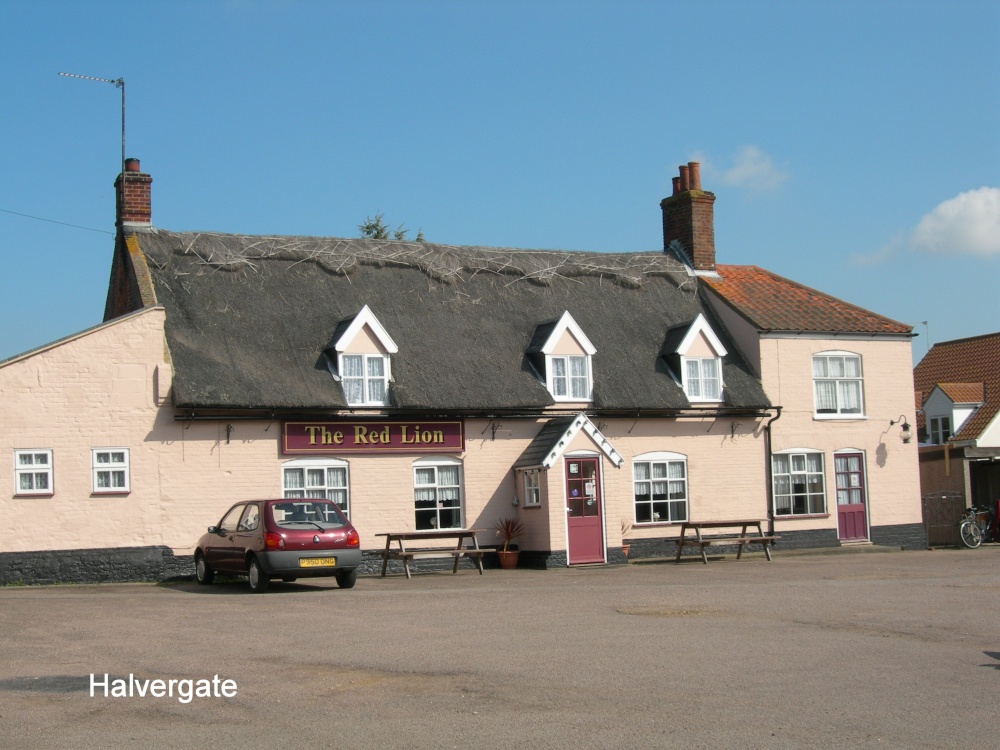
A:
x: 584, y: 513
x: 849, y: 470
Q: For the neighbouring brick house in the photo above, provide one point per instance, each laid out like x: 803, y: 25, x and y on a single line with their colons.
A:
x: 597, y: 396
x: 958, y: 396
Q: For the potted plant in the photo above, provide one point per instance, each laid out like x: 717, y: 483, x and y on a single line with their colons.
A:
x: 508, y: 529
x: 626, y: 528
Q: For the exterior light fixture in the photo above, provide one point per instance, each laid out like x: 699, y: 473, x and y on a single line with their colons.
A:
x: 906, y: 435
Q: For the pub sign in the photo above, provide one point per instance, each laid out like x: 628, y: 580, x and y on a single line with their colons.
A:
x: 427, y: 436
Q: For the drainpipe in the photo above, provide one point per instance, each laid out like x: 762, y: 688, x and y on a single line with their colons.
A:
x: 770, y: 477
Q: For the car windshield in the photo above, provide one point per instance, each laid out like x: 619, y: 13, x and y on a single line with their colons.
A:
x: 299, y: 513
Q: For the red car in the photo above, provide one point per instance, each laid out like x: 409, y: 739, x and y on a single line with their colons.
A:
x: 286, y: 539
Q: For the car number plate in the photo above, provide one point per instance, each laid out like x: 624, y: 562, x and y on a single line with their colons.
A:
x: 317, y: 562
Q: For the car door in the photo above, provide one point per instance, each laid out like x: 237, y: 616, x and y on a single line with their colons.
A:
x: 219, y: 550
x: 247, y: 536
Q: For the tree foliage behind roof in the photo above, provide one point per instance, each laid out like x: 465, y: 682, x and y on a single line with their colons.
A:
x: 375, y: 228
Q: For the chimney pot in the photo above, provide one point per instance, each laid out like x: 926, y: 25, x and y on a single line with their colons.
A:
x: 132, y: 165
x: 677, y: 185
x: 694, y: 173
x: 685, y: 178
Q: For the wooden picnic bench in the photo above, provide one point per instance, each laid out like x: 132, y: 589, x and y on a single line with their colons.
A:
x: 402, y: 552
x: 730, y: 537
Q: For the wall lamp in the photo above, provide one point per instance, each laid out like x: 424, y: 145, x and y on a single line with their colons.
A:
x: 905, y: 434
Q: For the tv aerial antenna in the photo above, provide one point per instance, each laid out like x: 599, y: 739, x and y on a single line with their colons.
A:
x: 118, y: 83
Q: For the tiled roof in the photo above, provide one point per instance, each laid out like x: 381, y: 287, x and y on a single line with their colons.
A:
x: 963, y: 393
x: 774, y: 303
x: 973, y: 360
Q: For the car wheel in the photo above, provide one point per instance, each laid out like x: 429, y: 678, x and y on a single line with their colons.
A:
x: 347, y: 578
x: 204, y: 574
x: 259, y: 582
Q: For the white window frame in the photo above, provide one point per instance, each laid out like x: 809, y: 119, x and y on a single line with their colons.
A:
x: 653, y: 460
x: 312, y: 471
x: 567, y: 382
x: 840, y: 383
x: 803, y: 473
x: 28, y: 466
x: 366, y: 378
x: 936, y: 429
x: 112, y: 468
x: 434, y: 465
x: 694, y: 388
x: 531, y: 482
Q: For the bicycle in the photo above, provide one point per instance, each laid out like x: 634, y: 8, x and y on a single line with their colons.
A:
x: 977, y: 526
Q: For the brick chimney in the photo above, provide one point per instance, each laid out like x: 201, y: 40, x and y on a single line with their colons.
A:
x: 133, y: 203
x: 689, y: 218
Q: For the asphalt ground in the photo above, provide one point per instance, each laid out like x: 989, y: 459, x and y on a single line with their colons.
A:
x: 891, y: 650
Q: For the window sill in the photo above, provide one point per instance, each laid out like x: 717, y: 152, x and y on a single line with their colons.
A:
x: 34, y: 494
x: 656, y: 524
x: 840, y: 417
x: 801, y: 516
x: 535, y: 506
x: 111, y: 493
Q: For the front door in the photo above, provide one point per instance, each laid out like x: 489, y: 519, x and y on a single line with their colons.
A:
x: 851, y: 518
x: 584, y: 514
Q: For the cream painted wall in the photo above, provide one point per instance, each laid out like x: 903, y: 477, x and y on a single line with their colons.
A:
x: 94, y: 390
x: 891, y: 466
x: 107, y: 388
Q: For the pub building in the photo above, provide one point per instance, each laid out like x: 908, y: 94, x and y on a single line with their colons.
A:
x: 600, y: 398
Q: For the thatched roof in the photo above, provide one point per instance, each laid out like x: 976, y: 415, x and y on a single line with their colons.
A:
x: 249, y: 318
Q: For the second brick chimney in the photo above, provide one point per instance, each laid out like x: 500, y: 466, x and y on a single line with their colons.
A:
x: 689, y: 218
x: 134, y: 201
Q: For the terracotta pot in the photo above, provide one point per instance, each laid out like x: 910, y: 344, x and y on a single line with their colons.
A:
x: 625, y: 549
x: 508, y: 559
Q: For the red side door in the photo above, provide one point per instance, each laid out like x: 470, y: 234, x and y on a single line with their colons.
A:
x: 584, y: 511
x: 852, y: 521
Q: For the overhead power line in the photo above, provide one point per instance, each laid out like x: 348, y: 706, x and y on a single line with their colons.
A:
x: 53, y: 221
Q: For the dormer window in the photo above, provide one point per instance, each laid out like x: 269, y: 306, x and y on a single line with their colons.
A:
x: 365, y: 378
x: 363, y: 360
x: 948, y: 408
x: 702, y: 380
x: 563, y: 354
x: 695, y: 354
x: 570, y: 377
x: 940, y: 429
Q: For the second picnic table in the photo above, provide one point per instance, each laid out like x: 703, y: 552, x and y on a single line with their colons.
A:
x: 458, y: 551
x: 732, y: 538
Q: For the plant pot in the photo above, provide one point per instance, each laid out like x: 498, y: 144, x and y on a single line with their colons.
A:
x: 508, y: 559
x: 625, y: 549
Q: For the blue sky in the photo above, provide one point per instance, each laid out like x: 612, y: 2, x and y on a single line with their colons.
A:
x: 852, y: 146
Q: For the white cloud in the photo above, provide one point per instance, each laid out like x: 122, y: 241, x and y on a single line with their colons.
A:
x: 754, y: 169
x: 751, y: 169
x: 969, y: 224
